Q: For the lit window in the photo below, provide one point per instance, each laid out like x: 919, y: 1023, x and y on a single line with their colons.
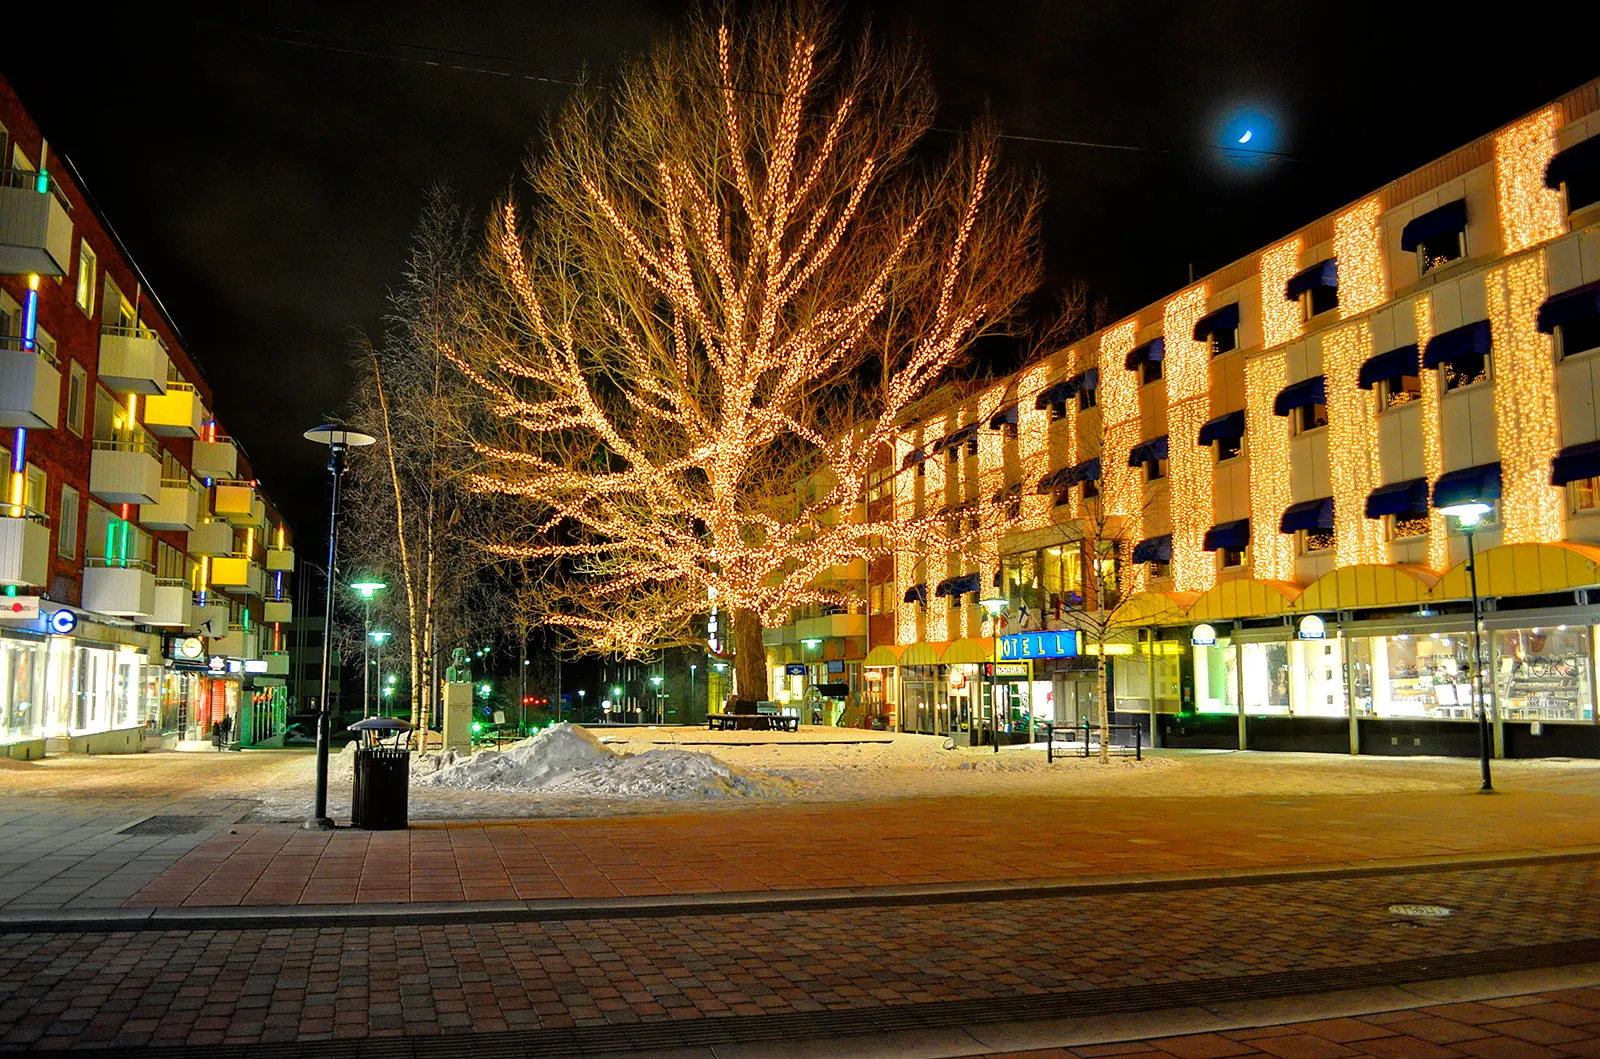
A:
x: 1578, y: 336
x: 1229, y: 448
x: 1464, y: 370
x: 1224, y: 341
x: 86, y: 278
x: 1316, y: 301
x: 1436, y: 251
x: 1155, y: 470
x: 1309, y: 417
x: 1159, y: 568
x: 1585, y: 494
x: 1405, y: 526
x: 67, y: 524
x: 1232, y: 557
x: 1086, y: 398
x: 1402, y: 389
x: 1308, y: 542
x: 1058, y: 411
x: 34, y: 486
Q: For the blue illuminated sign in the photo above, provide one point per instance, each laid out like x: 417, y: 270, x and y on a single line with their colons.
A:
x: 1060, y: 644
x: 795, y: 669
x: 63, y: 622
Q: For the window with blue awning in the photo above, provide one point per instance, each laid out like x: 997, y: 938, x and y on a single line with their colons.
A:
x: 1056, y: 394
x: 1301, y: 394
x: 956, y: 586
x: 916, y: 594
x: 1467, y: 485
x: 1570, y: 306
x: 960, y: 436
x: 1408, y: 498
x: 1084, y: 380
x: 1062, y: 476
x: 914, y: 456
x: 1576, y: 462
x: 1087, y: 471
x: 1324, y: 274
x: 1224, y: 427
x: 1234, y: 534
x: 1308, y: 515
x: 1152, y: 351
x: 1451, y: 217
x: 1154, y: 549
x: 1223, y: 320
x: 1391, y: 365
x: 1008, y: 492
x: 1475, y: 339
x: 1145, y: 451
x: 1007, y: 416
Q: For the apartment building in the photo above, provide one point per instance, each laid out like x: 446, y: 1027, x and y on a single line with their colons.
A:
x: 144, y: 571
x: 1271, y: 447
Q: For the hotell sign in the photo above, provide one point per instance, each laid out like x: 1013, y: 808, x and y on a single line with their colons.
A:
x: 1061, y: 644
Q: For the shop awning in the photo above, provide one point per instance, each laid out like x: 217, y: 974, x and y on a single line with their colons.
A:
x: 1474, y: 338
x: 1390, y: 365
x: 1466, y: 485
x: 1224, y: 319
x: 1145, y: 451
x: 1084, y: 380
x: 1301, y: 395
x: 1153, y: 351
x: 1060, y: 476
x: 1576, y: 462
x: 1322, y: 274
x: 1580, y: 159
x: 1234, y: 534
x: 913, y: 457
x: 1223, y: 427
x: 956, y: 586
x: 1308, y: 515
x: 1579, y: 303
x: 1154, y: 549
x: 1056, y: 394
x: 916, y: 594
x: 1006, y: 416
x: 1087, y: 471
x: 959, y: 436
x: 1399, y: 498
x: 1451, y: 217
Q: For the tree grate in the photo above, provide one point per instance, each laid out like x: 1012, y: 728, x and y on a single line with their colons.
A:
x: 168, y: 825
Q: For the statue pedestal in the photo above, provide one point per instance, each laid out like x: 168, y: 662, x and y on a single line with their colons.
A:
x: 458, y: 716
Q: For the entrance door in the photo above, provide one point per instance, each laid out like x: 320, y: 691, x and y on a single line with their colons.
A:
x: 1076, y: 700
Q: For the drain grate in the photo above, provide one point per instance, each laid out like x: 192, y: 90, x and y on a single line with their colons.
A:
x: 168, y: 825
x: 1421, y: 911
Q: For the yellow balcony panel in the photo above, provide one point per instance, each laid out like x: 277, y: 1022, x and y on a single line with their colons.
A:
x: 30, y: 387
x: 178, y: 507
x: 233, y: 501
x: 277, y: 612
x: 236, y: 573
x: 280, y: 560
x: 217, y: 458
x: 35, y: 231
x: 133, y: 360
x: 174, y: 414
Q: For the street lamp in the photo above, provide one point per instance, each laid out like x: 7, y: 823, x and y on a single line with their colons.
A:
x: 339, y: 441
x: 996, y: 606
x: 1468, y: 514
x: 378, y: 636
x: 366, y: 590
x: 655, y: 679
x: 690, y: 707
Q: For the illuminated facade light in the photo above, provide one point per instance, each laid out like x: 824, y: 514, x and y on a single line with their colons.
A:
x: 1033, y: 445
x: 1122, y: 487
x: 1358, y: 246
x: 1187, y: 370
x: 1352, y: 443
x: 1432, y: 450
x: 905, y: 560
x: 1527, y: 422
x: 1530, y: 213
x: 1271, y: 552
x: 1280, y: 318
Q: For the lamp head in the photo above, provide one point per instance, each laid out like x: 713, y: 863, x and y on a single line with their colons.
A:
x: 379, y: 636
x: 368, y: 589
x: 656, y: 680
x: 812, y: 642
x: 1469, y: 512
x: 995, y: 605
x: 340, y: 435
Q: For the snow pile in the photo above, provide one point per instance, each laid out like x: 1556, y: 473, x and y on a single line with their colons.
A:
x: 554, y: 752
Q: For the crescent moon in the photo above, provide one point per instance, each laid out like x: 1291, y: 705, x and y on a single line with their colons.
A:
x: 1248, y: 133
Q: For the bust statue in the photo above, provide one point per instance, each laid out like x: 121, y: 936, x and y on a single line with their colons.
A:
x: 460, y: 669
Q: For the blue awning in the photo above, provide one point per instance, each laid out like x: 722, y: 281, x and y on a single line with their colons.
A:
x: 1153, y: 350
x: 1154, y: 449
x: 1227, y: 535
x: 1223, y: 427
x: 1390, y: 365
x: 1084, y: 380
x: 1451, y: 217
x: 914, y: 456
x: 1301, y: 395
x: 1579, y: 303
x: 1061, y: 476
x: 959, y: 436
x: 955, y: 586
x: 1575, y: 462
x: 916, y: 594
x: 1581, y: 158
x: 1154, y: 549
x: 1056, y: 394
x: 1471, y: 483
x: 1399, y: 498
x: 1322, y: 274
x: 1006, y: 415
x: 1308, y: 515
x: 1087, y: 471
x: 1224, y: 319
x: 1459, y: 342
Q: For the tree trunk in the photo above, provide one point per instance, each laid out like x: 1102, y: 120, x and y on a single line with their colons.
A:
x: 749, y: 655
x: 1105, y: 704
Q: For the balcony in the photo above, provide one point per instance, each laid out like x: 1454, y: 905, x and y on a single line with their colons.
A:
x: 210, y: 619
x: 783, y: 634
x: 30, y: 387
x: 174, y: 604
x: 24, y: 547
x: 280, y: 560
x: 217, y: 458
x: 237, y: 574
x: 35, y: 231
x: 238, y: 643
x: 234, y: 501
x: 178, y: 507
x: 126, y: 591
x: 831, y: 625
x: 277, y: 663
x: 211, y: 536
x: 125, y: 472
x: 277, y: 611
x: 174, y: 414
x: 133, y: 360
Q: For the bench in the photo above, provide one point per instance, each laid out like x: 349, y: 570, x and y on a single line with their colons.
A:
x: 751, y: 722
x: 1058, y: 739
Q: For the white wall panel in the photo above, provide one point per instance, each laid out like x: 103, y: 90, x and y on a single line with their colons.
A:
x: 1576, y: 380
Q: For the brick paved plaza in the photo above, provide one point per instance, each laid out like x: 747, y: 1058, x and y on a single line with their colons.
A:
x: 969, y: 924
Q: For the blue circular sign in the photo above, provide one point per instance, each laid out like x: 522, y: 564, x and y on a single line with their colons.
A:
x: 63, y: 622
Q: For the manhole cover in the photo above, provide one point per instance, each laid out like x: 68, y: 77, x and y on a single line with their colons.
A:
x: 167, y: 825
x: 1421, y: 911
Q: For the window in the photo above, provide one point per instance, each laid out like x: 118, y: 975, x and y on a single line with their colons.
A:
x: 1579, y: 336
x: 1404, y: 526
x: 1584, y: 494
x: 1058, y: 411
x: 1229, y: 448
x: 1061, y: 496
x: 972, y: 445
x: 1221, y: 342
x: 1439, y: 250
x: 1402, y: 389
x: 86, y: 277
x: 1091, y: 489
x: 1309, y: 417
x: 955, y: 453
x: 1464, y: 371
x: 879, y: 481
x: 1149, y: 371
x: 10, y: 319
x: 77, y: 390
x: 171, y: 565
x: 1159, y: 568
x: 1086, y: 398
x: 1316, y: 301
x: 67, y: 524
x: 1308, y: 542
x: 45, y: 343
x: 1155, y: 470
x: 1232, y: 557
x: 35, y: 483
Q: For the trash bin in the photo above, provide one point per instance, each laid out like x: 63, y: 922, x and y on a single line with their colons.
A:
x: 379, y: 801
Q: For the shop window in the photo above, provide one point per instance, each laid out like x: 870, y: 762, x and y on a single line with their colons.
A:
x: 1229, y: 448
x: 1584, y: 494
x: 1316, y: 301
x: 1155, y: 470
x: 1402, y: 389
x: 1579, y: 336
x: 1308, y: 417
x: 1464, y: 371
x: 1086, y: 399
x: 1149, y: 371
x: 1404, y: 527
x: 1543, y: 674
x: 1220, y: 342
x: 1233, y: 557
x: 1310, y: 542
x: 1439, y: 250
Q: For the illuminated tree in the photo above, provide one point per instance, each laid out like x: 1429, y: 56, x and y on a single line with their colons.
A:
x: 737, y: 270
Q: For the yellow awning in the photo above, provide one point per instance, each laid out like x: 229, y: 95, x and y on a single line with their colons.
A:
x: 1352, y: 587
x: 1155, y: 608
x: 1525, y: 570
x: 882, y: 655
x: 921, y: 654
x: 970, y: 650
x: 1243, y: 598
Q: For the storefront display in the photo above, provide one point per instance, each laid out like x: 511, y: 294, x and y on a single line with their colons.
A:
x: 1544, y: 674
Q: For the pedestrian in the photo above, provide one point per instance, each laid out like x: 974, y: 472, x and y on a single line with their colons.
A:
x: 221, y: 730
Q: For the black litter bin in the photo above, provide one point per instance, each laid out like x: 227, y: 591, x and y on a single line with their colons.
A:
x: 383, y: 779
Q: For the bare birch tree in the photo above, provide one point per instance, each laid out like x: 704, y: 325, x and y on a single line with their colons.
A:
x: 736, y: 269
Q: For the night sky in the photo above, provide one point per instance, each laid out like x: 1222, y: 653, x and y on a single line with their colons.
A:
x: 265, y: 169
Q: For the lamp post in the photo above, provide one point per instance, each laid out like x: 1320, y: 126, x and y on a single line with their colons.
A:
x: 366, y: 590
x: 1469, y: 514
x: 655, y: 680
x: 378, y: 636
x: 339, y: 441
x: 690, y: 707
x: 996, y: 606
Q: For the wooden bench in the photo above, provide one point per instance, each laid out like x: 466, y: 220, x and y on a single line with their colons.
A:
x: 751, y: 722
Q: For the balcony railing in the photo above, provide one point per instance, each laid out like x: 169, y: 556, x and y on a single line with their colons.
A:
x: 30, y: 386
x: 24, y: 546
x: 126, y: 471
x: 35, y: 231
x: 133, y: 360
x: 216, y: 458
x: 174, y: 414
x: 177, y: 508
x: 122, y: 587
